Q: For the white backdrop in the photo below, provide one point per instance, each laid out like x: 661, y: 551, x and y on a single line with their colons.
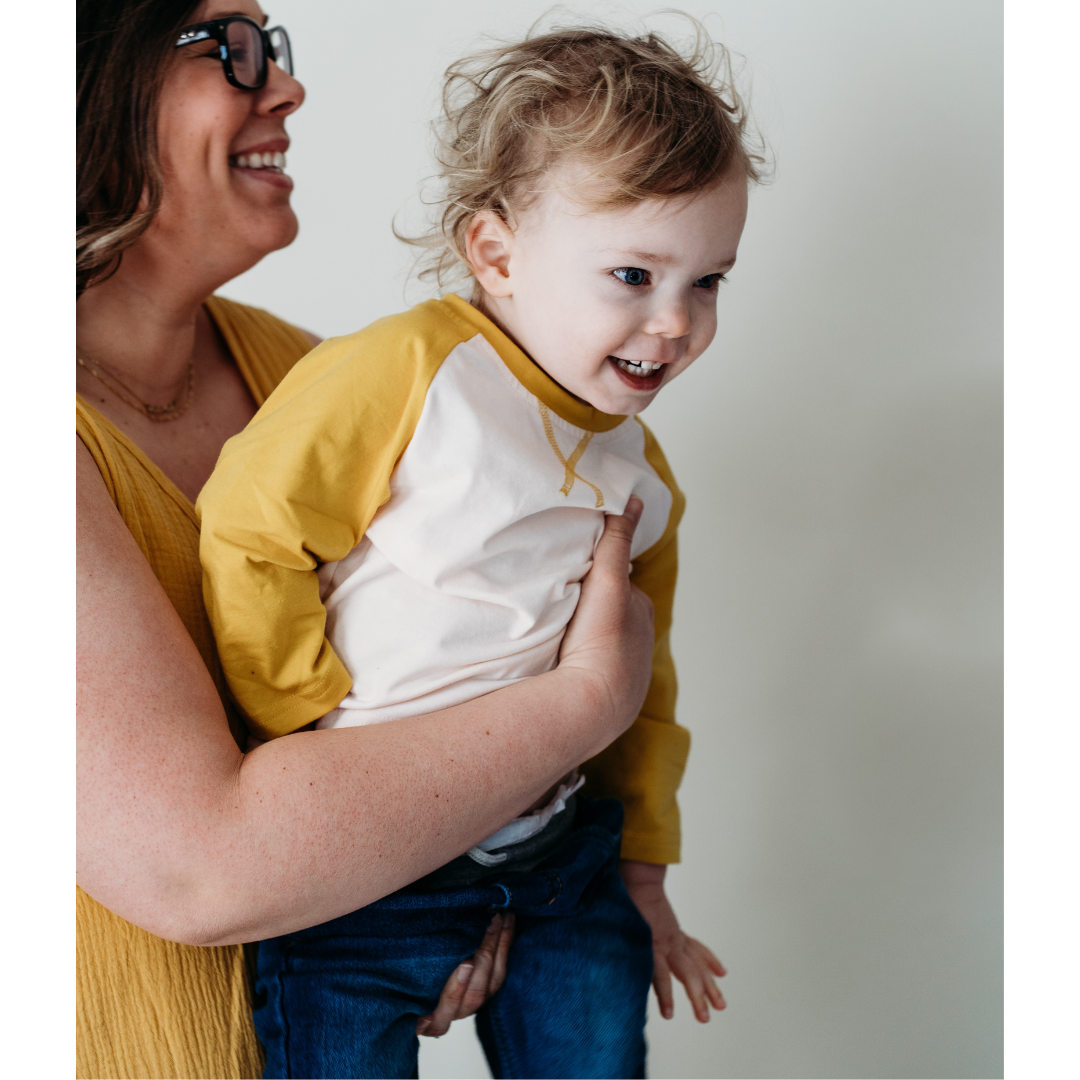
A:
x: 837, y: 627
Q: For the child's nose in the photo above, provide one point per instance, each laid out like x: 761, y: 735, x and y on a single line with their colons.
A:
x: 669, y: 320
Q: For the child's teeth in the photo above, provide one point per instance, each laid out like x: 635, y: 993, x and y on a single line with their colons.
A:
x: 638, y: 367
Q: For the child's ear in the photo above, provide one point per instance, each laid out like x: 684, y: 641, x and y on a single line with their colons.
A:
x: 488, y: 243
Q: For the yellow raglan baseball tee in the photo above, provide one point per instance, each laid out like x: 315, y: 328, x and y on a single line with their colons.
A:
x: 404, y: 526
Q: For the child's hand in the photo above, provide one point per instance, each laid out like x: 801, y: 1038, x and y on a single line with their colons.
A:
x: 674, y: 953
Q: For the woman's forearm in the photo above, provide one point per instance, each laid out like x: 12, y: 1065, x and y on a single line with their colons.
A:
x: 405, y: 797
x: 359, y: 812
x: 185, y: 836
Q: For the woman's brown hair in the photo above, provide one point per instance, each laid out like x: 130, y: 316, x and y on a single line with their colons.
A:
x: 122, y: 52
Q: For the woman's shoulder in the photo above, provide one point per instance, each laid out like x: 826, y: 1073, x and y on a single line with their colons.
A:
x: 264, y: 347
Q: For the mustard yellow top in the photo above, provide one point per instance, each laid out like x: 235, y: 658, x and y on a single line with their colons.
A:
x: 147, y: 1007
x: 302, y: 484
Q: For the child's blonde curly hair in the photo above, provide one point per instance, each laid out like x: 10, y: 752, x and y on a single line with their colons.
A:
x: 648, y: 121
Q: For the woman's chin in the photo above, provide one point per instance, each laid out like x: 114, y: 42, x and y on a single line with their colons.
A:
x: 268, y: 230
x: 286, y: 232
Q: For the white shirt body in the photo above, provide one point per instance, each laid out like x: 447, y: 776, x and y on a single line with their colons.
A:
x: 466, y: 578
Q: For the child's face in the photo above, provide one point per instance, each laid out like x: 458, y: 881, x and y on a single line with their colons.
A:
x: 612, y: 304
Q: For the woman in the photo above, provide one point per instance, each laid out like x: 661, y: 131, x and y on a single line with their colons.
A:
x: 188, y: 847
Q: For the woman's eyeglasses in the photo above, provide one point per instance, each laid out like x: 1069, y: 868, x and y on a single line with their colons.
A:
x: 245, y: 48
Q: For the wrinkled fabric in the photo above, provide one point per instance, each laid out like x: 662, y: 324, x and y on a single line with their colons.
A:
x: 342, y: 999
x: 146, y: 1007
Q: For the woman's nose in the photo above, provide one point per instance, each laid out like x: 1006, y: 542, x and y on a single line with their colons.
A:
x: 282, y: 94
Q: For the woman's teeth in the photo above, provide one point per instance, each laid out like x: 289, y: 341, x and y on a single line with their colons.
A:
x: 640, y: 368
x: 275, y: 162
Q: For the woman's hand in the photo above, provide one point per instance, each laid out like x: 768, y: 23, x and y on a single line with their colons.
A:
x: 674, y: 953
x: 185, y: 836
x: 474, y: 982
x: 611, y: 633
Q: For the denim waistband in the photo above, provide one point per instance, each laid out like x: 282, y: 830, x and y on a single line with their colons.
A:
x: 553, y: 887
x: 515, y: 858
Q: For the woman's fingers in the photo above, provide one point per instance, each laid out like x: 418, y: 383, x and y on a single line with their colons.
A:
x: 502, y: 950
x: 438, y: 1022
x: 473, y: 982
x: 611, y: 633
x: 613, y: 551
x: 484, y: 963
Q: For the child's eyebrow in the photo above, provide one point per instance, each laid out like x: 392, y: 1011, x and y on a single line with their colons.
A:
x: 645, y: 256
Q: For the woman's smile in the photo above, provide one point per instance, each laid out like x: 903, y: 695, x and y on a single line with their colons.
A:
x: 265, y: 162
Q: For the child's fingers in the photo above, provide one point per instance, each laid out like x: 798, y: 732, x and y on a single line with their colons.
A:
x: 710, y: 958
x: 695, y: 991
x: 691, y: 968
x: 709, y: 966
x: 712, y: 992
x: 662, y: 985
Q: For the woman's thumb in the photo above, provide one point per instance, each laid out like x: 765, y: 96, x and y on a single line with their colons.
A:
x: 613, y: 551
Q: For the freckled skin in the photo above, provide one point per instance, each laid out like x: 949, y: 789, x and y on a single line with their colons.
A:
x: 201, y: 860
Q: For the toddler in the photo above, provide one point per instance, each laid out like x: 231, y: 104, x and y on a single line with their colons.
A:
x: 405, y: 524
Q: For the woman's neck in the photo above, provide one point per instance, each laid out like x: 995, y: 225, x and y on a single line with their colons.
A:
x: 141, y: 323
x: 147, y: 328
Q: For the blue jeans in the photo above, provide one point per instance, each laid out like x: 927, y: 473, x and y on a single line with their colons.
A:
x: 342, y: 999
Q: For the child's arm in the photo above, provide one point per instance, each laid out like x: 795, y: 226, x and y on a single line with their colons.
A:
x: 674, y: 952
x: 644, y: 768
x: 297, y: 488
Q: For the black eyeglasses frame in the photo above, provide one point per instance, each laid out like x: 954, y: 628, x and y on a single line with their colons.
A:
x: 216, y: 30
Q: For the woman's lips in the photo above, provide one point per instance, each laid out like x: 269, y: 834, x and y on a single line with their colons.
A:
x: 643, y: 383
x: 266, y: 163
x: 264, y: 176
x: 266, y: 159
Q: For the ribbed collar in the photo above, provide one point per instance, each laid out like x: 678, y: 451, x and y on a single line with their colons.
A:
x: 530, y: 374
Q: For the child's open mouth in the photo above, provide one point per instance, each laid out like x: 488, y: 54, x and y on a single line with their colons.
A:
x: 644, y: 375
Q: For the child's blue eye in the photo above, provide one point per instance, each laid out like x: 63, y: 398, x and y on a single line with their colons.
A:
x: 708, y: 281
x: 631, y: 275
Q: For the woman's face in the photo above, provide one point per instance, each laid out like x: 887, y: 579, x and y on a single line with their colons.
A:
x: 232, y: 215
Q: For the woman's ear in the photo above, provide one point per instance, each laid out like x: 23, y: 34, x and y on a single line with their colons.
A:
x: 488, y: 245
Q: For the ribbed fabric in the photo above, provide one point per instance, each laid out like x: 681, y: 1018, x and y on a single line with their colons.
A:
x: 147, y: 1007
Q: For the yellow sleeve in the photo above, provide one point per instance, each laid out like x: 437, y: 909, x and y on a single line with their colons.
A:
x: 644, y: 766
x: 297, y: 488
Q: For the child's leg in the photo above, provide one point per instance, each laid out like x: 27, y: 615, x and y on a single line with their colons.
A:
x: 342, y: 999
x: 580, y: 967
x: 573, y: 1004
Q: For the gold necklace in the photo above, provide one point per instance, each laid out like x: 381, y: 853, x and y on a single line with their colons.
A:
x: 159, y: 413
